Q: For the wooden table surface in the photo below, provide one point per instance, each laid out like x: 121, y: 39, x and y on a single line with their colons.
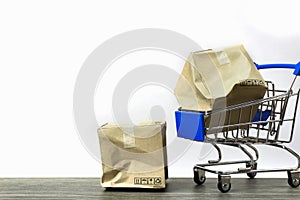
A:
x: 89, y: 188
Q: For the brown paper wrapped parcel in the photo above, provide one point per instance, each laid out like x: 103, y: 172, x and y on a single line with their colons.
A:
x: 214, y: 79
x: 134, y: 156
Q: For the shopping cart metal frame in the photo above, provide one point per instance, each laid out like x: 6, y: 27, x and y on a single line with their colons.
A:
x: 264, y: 128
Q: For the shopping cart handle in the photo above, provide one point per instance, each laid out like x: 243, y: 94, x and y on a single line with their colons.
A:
x: 287, y: 66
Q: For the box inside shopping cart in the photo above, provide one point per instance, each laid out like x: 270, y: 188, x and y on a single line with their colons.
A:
x: 237, y: 121
x: 212, y: 80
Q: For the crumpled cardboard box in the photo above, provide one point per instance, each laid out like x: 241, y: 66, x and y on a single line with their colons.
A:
x: 134, y: 156
x: 214, y: 79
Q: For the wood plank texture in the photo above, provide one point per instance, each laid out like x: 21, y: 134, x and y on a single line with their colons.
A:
x: 89, y: 188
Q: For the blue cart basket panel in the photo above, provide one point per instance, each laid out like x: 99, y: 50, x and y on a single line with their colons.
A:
x: 190, y: 125
x: 262, y: 116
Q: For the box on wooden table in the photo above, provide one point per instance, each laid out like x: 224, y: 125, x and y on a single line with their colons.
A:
x: 134, y: 156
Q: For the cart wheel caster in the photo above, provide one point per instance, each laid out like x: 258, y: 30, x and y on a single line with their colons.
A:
x: 294, y: 179
x: 252, y: 175
x: 224, y: 184
x: 199, y: 176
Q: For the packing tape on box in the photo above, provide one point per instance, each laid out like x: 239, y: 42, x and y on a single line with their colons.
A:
x: 128, y: 136
x: 222, y: 56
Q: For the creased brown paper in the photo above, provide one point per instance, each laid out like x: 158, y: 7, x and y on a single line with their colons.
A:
x: 134, y: 156
x: 214, y: 79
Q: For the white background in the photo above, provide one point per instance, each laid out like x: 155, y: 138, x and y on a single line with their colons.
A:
x: 44, y: 43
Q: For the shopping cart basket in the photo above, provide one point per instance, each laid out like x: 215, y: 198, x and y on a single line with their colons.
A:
x: 245, y: 131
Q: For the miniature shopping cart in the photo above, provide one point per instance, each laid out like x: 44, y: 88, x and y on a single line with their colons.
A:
x: 263, y: 124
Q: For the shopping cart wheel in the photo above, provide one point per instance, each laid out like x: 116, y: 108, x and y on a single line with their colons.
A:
x: 199, y: 176
x: 252, y: 175
x: 224, y: 184
x: 294, y: 178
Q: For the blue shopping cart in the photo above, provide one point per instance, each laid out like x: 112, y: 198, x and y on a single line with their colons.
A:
x: 266, y: 117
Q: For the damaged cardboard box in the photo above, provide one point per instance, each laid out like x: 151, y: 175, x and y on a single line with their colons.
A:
x: 215, y: 79
x: 134, y: 156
